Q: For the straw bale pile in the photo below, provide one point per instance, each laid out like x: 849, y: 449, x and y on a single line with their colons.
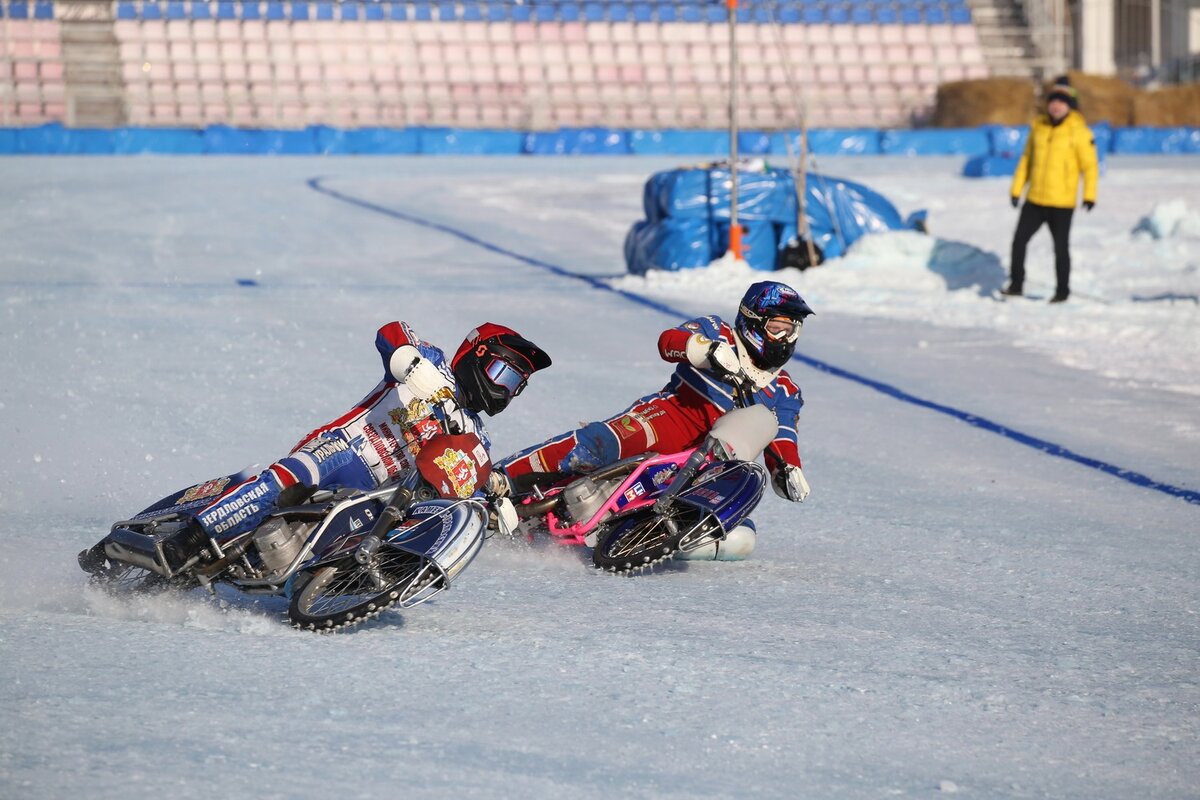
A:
x: 1102, y: 98
x: 991, y: 101
x: 1168, y: 107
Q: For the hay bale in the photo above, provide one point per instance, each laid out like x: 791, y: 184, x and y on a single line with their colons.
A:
x: 1168, y: 107
x: 991, y: 101
x: 1101, y: 98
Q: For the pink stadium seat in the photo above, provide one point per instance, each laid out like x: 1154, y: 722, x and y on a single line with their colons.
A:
x: 927, y: 74
x: 842, y: 34
x: 878, y: 73
x: 524, y: 32
x: 829, y: 73
x: 970, y: 54
x: 821, y: 53
x: 866, y: 34
x: 847, y: 53
x: 965, y: 34
x: 950, y: 71
x: 921, y: 54
x: 939, y: 34
x: 129, y: 30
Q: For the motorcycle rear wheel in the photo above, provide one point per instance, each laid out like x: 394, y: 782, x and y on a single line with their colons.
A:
x: 638, y: 543
x: 119, y: 578
x: 346, y: 593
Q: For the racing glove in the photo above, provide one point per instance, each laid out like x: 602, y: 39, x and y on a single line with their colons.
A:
x: 419, y: 374
x: 715, y: 356
x: 1016, y: 201
x: 789, y: 483
x: 498, y: 484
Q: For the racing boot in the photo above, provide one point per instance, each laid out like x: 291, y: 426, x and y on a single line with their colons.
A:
x: 737, y: 545
x: 179, y: 548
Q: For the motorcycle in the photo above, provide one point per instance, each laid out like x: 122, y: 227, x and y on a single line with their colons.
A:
x: 341, y: 557
x: 640, y: 511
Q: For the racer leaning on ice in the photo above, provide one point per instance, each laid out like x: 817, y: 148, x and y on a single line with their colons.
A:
x: 376, y: 440
x: 717, y: 362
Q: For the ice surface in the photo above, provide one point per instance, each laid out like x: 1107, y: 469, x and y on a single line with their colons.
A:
x: 950, y: 611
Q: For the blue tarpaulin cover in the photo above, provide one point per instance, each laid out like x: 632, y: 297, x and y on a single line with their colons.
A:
x: 687, y: 217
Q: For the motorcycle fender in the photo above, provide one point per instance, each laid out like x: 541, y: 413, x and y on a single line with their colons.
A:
x: 447, y: 532
x: 729, y: 490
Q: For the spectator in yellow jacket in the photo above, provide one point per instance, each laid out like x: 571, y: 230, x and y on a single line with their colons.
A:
x: 1060, y: 150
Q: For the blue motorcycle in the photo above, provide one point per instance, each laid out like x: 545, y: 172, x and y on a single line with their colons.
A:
x: 341, y: 557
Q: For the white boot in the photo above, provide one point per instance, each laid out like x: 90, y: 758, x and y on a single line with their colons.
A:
x: 736, y: 546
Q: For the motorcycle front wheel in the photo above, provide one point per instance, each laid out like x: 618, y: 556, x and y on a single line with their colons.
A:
x: 345, y: 593
x: 638, y: 543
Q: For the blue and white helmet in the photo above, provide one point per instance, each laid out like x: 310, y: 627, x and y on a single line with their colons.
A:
x: 764, y: 301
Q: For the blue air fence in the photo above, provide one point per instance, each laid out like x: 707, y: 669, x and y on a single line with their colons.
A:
x: 989, y: 148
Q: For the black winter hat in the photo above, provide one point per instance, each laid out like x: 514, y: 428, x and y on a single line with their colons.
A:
x: 1063, y: 90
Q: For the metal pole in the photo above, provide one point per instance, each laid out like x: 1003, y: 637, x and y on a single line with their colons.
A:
x: 1156, y: 34
x: 735, y: 230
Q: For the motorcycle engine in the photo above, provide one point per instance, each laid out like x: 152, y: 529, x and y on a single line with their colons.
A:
x: 278, y: 544
x: 583, y: 498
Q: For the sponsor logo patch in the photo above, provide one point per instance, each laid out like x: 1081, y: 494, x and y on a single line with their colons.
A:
x: 460, y: 472
x: 199, y: 492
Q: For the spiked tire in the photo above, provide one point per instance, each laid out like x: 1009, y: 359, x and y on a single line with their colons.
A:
x: 346, y: 593
x: 119, y: 578
x: 638, y: 543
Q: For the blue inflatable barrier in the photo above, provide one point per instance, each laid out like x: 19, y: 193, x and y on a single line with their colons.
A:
x: 672, y: 141
x: 366, y: 141
x: 1155, y: 140
x: 163, y: 141
x: 831, y: 142
x: 990, y: 166
x: 577, y: 141
x: 840, y: 212
x: 458, y: 141
x: 943, y: 142
x: 687, y: 217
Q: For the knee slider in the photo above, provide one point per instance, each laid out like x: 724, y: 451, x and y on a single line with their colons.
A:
x: 595, y: 446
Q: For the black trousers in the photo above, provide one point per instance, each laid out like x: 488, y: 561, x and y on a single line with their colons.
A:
x: 1033, y: 217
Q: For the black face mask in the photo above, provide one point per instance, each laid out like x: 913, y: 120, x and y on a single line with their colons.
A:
x: 775, y: 354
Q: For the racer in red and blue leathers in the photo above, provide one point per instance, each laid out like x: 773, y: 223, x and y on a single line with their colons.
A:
x: 370, y: 445
x: 713, y: 357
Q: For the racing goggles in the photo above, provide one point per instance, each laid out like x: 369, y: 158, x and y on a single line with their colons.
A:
x: 506, y: 376
x: 782, y: 329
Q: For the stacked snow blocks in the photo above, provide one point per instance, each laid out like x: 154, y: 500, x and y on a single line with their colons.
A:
x: 538, y: 65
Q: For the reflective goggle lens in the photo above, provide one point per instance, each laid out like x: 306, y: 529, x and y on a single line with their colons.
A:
x: 506, y: 375
x: 782, y: 329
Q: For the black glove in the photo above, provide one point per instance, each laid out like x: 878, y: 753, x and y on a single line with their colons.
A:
x: 1089, y: 204
x: 1016, y: 201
